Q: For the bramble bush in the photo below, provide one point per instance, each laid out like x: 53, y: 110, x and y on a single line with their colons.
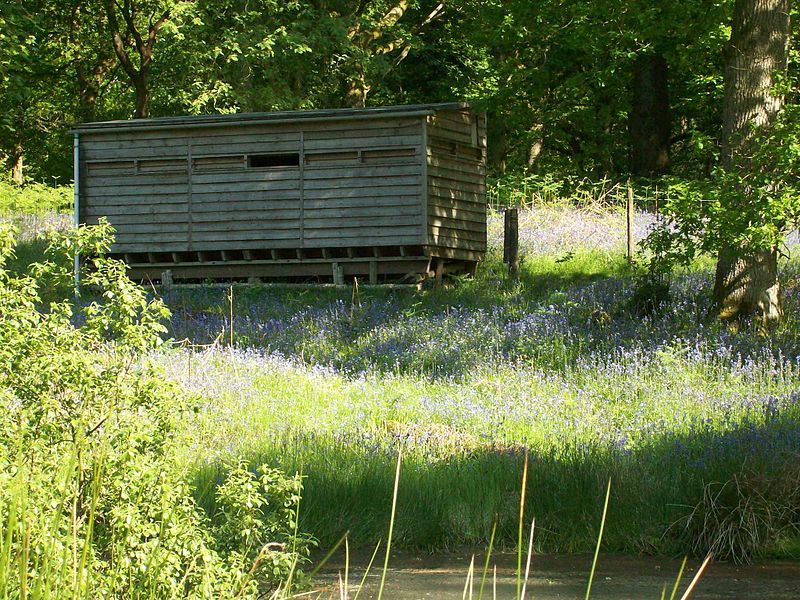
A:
x: 93, y: 501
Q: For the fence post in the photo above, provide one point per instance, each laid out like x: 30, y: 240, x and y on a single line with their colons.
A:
x: 511, y: 241
x: 629, y: 213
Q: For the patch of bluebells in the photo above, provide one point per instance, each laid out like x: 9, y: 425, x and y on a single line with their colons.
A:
x: 560, y: 230
x: 582, y: 367
x: 382, y: 335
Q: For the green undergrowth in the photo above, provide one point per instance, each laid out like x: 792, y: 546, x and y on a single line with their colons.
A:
x: 94, y: 499
x: 463, y: 446
x: 34, y: 198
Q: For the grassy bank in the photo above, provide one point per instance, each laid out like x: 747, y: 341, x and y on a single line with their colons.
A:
x: 698, y: 427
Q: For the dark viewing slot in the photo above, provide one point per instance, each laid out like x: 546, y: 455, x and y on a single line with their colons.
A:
x: 260, y: 161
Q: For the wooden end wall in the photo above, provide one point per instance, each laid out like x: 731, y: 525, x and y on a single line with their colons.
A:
x: 456, y: 173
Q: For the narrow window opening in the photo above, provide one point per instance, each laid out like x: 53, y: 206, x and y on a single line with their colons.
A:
x: 260, y: 161
x: 393, y: 155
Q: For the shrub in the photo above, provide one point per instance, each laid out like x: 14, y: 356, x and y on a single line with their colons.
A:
x: 92, y: 498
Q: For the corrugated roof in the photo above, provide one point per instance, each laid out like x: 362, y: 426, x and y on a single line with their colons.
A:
x: 283, y: 116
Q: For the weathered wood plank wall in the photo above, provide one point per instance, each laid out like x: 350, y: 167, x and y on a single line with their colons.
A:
x: 456, y: 167
x: 359, y: 183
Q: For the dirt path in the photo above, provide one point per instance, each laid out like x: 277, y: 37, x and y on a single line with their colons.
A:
x: 562, y: 577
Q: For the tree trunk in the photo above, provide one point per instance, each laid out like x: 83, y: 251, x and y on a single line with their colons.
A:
x: 90, y: 85
x: 649, y: 122
x: 535, y: 150
x: 498, y: 141
x: 746, y: 281
x: 142, y: 90
x: 748, y: 285
x: 16, y: 160
x: 357, y: 89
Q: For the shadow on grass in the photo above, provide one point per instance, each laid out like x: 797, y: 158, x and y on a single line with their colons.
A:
x: 736, y: 492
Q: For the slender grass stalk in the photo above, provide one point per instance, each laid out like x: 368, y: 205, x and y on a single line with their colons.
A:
x: 599, y: 540
x: 521, y: 520
x: 330, y: 553
x: 678, y: 580
x: 290, y: 578
x: 488, y: 557
x: 528, y: 561
x: 346, y: 566
x: 252, y: 572
x: 99, y: 472
x: 468, y: 583
x: 367, y: 570
x: 391, y: 524
x: 23, y: 559
x: 697, y: 576
x: 494, y: 584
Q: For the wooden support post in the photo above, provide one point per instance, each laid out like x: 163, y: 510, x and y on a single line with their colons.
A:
x: 166, y: 279
x: 373, y: 272
x: 338, y: 273
x: 439, y: 272
x: 511, y: 241
x: 629, y: 213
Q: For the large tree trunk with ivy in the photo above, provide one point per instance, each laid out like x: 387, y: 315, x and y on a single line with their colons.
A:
x: 747, y: 281
x: 649, y: 122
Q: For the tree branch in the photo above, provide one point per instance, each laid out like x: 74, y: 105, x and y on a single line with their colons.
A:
x: 127, y: 15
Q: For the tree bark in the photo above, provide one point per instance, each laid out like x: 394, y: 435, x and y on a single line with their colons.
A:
x: 747, y: 281
x: 536, y: 147
x: 357, y: 88
x: 17, y: 161
x: 90, y: 84
x: 649, y: 121
x: 498, y: 141
x: 142, y: 89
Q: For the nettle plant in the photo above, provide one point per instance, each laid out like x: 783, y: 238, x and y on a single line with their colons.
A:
x: 92, y: 498
x: 751, y: 210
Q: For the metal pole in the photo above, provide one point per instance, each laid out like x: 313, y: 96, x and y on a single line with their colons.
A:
x: 76, y: 174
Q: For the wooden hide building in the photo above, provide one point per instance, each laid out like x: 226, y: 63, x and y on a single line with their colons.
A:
x: 377, y: 193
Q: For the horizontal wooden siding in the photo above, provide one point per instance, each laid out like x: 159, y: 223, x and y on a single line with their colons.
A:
x: 345, y: 183
x: 456, y: 168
